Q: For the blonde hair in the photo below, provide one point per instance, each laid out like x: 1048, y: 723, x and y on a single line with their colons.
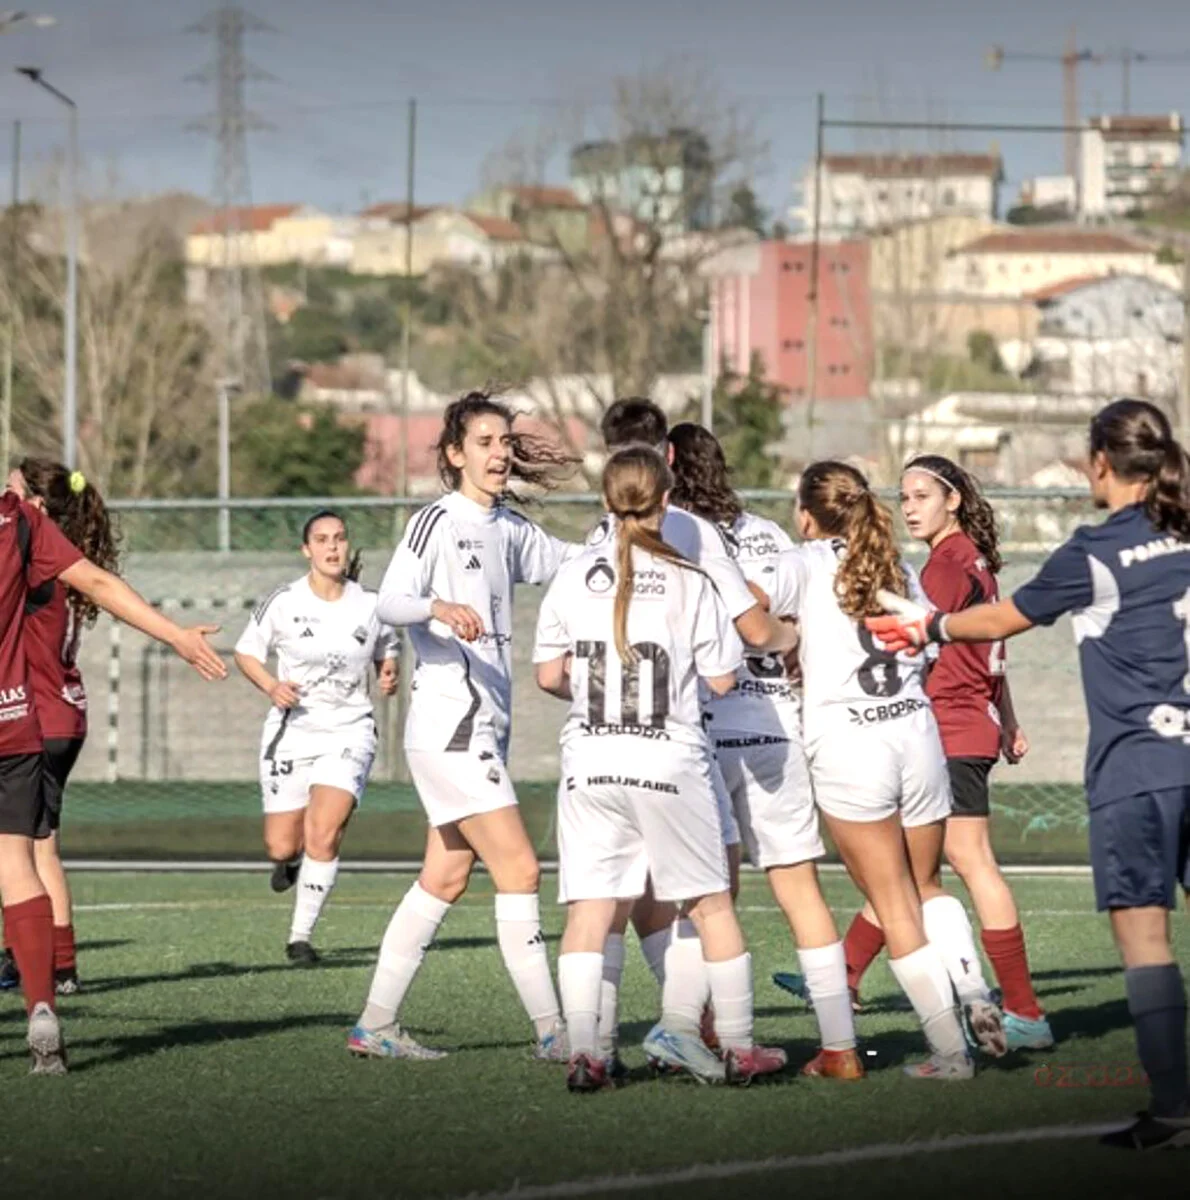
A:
x: 635, y: 482
x: 837, y: 496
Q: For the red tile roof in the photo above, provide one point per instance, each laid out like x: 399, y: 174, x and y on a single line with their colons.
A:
x: 547, y: 197
x: 913, y: 166
x: 1063, y: 286
x: 394, y: 210
x: 497, y: 228
x: 1054, y: 241
x: 257, y: 219
x: 1139, y: 129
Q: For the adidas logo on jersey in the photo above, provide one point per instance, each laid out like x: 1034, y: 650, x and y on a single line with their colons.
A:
x: 307, y: 632
x: 473, y: 564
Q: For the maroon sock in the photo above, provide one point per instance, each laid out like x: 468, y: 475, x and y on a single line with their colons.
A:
x: 861, y: 945
x: 1006, y: 952
x: 64, y: 951
x: 30, y: 928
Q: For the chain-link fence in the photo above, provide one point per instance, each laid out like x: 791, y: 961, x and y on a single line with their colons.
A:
x: 170, y: 767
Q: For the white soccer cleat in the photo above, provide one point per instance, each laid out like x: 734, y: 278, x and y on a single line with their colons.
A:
x: 390, y: 1042
x: 45, y: 1041
x: 943, y: 1068
x: 553, y: 1046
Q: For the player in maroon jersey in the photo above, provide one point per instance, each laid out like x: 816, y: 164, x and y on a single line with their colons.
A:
x: 943, y: 507
x: 54, y: 618
x: 32, y: 552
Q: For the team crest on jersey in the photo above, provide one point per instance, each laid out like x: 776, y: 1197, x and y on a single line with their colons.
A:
x: 601, y: 532
x: 360, y: 635
x: 600, y: 578
x: 336, y: 662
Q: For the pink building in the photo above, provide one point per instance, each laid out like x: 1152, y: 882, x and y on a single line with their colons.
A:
x: 759, y: 297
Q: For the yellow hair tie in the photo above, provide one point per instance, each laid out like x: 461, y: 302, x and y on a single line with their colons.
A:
x: 78, y: 481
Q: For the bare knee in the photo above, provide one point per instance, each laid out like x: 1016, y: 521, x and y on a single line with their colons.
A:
x: 281, y: 847
x: 445, y: 885
x: 322, y: 841
x: 519, y: 873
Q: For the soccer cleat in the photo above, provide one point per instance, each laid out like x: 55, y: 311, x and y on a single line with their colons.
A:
x: 553, y: 1046
x: 587, y: 1074
x: 671, y: 1050
x: 1151, y: 1133
x: 390, y: 1041
x: 743, y: 1066
x: 66, y: 981
x: 10, y: 977
x: 617, y: 1072
x: 302, y: 953
x: 835, y: 1064
x: 285, y: 875
x: 986, y: 1023
x: 706, y: 1028
x: 942, y: 1067
x: 1027, y: 1033
x: 795, y: 985
x: 45, y: 1041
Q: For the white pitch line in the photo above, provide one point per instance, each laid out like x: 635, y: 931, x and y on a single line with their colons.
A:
x: 705, y: 1172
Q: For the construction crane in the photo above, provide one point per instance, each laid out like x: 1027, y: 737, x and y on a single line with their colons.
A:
x: 1070, y: 60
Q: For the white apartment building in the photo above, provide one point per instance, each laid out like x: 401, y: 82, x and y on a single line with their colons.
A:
x: 1126, y: 162
x: 867, y: 191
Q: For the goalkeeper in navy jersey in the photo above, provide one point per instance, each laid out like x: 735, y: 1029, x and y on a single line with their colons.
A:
x: 1126, y: 584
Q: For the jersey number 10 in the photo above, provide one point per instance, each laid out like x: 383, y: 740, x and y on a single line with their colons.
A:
x: 596, y: 654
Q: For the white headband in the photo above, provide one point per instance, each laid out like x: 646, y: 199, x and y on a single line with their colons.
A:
x: 933, y: 474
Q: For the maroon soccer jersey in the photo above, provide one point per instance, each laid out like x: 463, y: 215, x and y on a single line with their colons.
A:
x: 51, y: 647
x: 967, y: 681
x: 48, y: 554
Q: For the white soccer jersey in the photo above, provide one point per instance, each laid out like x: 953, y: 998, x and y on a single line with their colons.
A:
x: 701, y: 542
x: 458, y: 551
x: 847, y: 677
x: 763, y: 702
x: 677, y: 623
x: 326, y: 648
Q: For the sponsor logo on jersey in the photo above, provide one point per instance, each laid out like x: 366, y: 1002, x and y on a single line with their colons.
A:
x: 75, y: 695
x: 600, y: 578
x: 606, y: 730
x: 757, y: 687
x: 14, y: 704
x: 1154, y: 549
x: 336, y: 662
x: 874, y: 714
x: 360, y: 635
x: 1170, y: 721
x: 630, y: 781
x: 648, y: 583
x: 748, y: 742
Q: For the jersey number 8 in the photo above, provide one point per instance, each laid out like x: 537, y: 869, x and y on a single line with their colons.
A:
x: 878, y: 675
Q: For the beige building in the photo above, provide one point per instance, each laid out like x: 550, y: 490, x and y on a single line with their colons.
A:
x: 551, y: 216
x: 911, y: 257
x: 1020, y: 262
x: 270, y: 234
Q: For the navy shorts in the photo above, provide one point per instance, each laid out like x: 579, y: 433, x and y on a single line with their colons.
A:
x: 1140, y: 850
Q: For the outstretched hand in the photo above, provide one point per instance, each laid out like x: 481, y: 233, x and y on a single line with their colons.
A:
x: 192, y: 645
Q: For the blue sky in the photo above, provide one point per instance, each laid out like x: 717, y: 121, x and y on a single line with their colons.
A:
x: 484, y: 72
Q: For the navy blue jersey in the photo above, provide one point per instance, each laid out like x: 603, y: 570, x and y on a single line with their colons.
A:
x: 1127, y: 587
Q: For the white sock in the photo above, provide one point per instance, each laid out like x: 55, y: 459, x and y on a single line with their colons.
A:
x: 314, y: 882
x: 731, y: 994
x: 580, y: 977
x: 518, y: 930
x: 609, y: 994
x: 408, y: 936
x: 653, y: 948
x: 949, y: 929
x: 825, y: 970
x: 924, y: 980
x: 686, y: 987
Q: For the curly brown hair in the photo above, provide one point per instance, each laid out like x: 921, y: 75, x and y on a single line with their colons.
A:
x: 79, y: 511
x: 702, y: 478
x: 837, y: 496
x: 536, y: 460
x: 976, y: 517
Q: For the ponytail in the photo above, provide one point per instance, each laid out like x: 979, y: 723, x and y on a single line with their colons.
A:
x: 1167, y: 500
x: 837, y: 496
x: 632, y: 534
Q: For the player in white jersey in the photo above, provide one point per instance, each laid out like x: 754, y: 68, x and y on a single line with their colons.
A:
x: 875, y: 756
x: 626, y: 635
x: 756, y: 732
x: 638, y: 421
x: 450, y: 584
x: 320, y: 736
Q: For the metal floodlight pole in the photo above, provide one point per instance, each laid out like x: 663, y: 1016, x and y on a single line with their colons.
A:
x: 225, y: 388
x: 407, y: 308
x: 10, y: 318
x: 70, y: 382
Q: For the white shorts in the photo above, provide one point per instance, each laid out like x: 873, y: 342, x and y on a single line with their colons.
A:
x: 769, y: 784
x: 285, y: 781
x: 627, y: 813
x: 869, y: 773
x: 455, y: 784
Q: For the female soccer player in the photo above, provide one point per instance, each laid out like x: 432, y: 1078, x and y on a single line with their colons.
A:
x: 54, y: 618
x: 450, y: 582
x: 32, y: 552
x: 319, y: 738
x: 756, y: 733
x: 875, y: 758
x: 943, y: 507
x: 627, y: 641
x: 1126, y: 584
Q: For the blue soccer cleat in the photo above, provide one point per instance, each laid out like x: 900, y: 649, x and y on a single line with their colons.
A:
x: 1027, y: 1033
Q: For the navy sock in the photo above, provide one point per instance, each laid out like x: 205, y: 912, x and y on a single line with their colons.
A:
x: 1157, y: 1002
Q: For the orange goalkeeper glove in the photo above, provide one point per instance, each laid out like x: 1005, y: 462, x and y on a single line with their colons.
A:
x: 909, y: 626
